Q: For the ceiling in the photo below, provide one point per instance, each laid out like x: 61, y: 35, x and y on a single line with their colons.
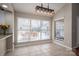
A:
x: 30, y: 7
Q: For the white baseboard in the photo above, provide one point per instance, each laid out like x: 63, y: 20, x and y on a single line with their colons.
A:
x: 33, y: 43
x: 69, y: 48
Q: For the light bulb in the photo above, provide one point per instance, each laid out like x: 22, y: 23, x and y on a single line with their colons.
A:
x: 41, y: 11
x: 38, y: 11
x: 4, y: 6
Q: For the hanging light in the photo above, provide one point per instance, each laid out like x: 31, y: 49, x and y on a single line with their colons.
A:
x: 44, y: 10
x: 4, y: 6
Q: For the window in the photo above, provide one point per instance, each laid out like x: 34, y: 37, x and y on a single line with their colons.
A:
x: 59, y: 32
x: 23, y: 30
x: 45, y: 30
x: 32, y: 30
x: 35, y: 30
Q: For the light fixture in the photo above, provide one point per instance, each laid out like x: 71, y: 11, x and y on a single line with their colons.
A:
x: 4, y: 6
x: 44, y: 10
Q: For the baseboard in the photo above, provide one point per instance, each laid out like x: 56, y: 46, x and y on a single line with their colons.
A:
x: 33, y: 43
x: 69, y: 48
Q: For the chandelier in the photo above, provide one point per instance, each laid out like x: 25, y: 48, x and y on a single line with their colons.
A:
x: 44, y: 10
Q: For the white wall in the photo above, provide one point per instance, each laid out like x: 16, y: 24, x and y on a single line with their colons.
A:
x: 65, y: 12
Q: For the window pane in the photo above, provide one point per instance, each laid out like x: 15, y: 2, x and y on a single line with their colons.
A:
x: 35, y: 30
x: 35, y: 25
x: 59, y: 29
x: 23, y: 36
x: 35, y: 36
x: 45, y: 35
x: 23, y: 30
x: 45, y: 25
x: 23, y: 24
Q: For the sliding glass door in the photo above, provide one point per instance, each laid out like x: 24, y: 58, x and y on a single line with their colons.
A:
x: 32, y: 30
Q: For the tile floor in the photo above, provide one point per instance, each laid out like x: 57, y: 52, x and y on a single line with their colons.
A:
x: 46, y: 49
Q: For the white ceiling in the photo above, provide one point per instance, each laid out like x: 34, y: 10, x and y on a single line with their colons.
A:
x: 30, y: 7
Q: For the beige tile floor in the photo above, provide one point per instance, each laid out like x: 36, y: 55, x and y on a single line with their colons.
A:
x: 46, y: 49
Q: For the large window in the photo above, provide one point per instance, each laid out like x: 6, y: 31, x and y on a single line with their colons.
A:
x: 32, y: 30
x: 59, y: 29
